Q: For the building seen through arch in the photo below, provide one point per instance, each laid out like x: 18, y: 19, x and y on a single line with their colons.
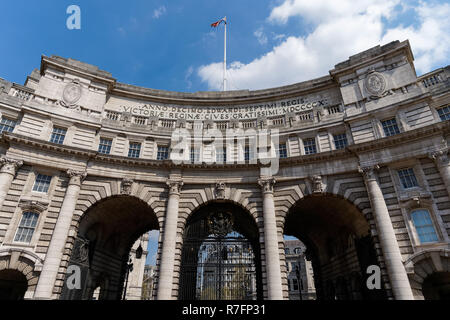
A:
x: 353, y: 164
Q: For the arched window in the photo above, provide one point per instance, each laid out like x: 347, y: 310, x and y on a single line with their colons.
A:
x: 424, y: 226
x: 26, y: 227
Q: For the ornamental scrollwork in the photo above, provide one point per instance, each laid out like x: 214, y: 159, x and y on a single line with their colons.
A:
x: 368, y: 171
x: 220, y: 190
x: 220, y: 223
x: 174, y: 186
x: 267, y: 184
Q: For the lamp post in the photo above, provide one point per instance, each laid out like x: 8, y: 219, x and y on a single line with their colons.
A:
x: 138, y: 254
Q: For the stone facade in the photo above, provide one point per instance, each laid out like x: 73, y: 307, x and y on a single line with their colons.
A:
x: 363, y: 175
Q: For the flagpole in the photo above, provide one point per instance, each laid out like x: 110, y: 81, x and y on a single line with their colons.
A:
x: 225, y: 58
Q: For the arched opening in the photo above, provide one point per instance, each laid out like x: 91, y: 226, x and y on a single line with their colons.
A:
x: 338, y: 244
x: 13, y: 285
x: 437, y: 286
x: 299, y: 271
x: 108, y: 232
x: 221, y: 255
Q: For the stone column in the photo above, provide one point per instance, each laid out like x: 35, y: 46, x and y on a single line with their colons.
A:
x: 442, y: 162
x: 389, y: 245
x: 273, y: 270
x: 166, y: 267
x: 8, y: 171
x: 44, y: 289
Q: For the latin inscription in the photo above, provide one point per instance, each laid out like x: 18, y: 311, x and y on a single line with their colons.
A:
x: 225, y: 113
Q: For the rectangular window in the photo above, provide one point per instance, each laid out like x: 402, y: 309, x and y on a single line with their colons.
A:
x: 7, y: 125
x: 195, y: 155
x: 444, y: 113
x: 340, y: 141
x: 248, y: 153
x: 310, y: 146
x: 135, y: 150
x: 58, y: 135
x: 221, y: 155
x: 407, y: 178
x: 105, y: 146
x: 42, y: 183
x: 295, y: 284
x: 26, y: 227
x: 282, y: 151
x: 390, y: 127
x: 424, y: 226
x: 163, y: 153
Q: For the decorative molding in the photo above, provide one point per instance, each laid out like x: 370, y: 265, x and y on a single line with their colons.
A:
x: 71, y: 94
x: 267, y: 184
x: 368, y: 172
x: 126, y: 185
x: 440, y: 157
x: 220, y: 223
x: 174, y: 186
x: 317, y: 185
x: 33, y: 205
x: 219, y: 190
x: 10, y: 165
x: 415, y: 198
x: 76, y: 177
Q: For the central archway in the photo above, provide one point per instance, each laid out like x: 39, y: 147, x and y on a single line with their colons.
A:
x: 106, y: 234
x: 13, y: 285
x: 339, y: 245
x: 221, y: 255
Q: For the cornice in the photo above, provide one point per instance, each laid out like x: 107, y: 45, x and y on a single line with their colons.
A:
x: 352, y: 151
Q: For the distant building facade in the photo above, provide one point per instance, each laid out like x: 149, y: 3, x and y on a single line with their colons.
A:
x: 300, y: 274
x: 148, y: 282
x: 354, y: 163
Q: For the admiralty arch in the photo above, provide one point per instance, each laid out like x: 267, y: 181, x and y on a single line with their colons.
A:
x: 354, y: 164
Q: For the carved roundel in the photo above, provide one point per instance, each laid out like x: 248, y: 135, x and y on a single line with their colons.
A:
x: 71, y: 94
x: 375, y: 84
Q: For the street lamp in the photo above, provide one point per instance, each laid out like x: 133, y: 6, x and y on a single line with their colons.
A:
x: 138, y: 255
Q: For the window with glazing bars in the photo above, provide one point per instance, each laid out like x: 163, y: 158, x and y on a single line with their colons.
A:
x: 27, y: 227
x: 310, y: 146
x: 407, y: 178
x: 58, y: 135
x: 105, y: 146
x: 248, y: 153
x: 42, y: 183
x: 135, y: 150
x: 7, y: 125
x: 282, y: 150
x: 163, y: 153
x: 390, y: 127
x: 424, y: 226
x: 195, y: 155
x: 340, y: 141
x: 221, y: 155
x: 444, y: 113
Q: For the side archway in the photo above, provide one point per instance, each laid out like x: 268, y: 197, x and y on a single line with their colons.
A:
x: 106, y: 234
x: 339, y: 243
x: 429, y: 274
x: 19, y: 273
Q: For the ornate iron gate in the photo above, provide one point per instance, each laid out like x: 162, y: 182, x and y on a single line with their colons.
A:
x: 218, y: 263
x: 79, y: 258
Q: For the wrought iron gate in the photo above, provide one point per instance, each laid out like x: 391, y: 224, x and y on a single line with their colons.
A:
x: 80, y: 259
x: 218, y: 263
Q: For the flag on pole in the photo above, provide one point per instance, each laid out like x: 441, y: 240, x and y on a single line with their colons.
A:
x: 217, y: 23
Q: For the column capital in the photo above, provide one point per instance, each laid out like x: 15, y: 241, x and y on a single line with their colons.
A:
x: 9, y: 165
x: 267, y: 184
x: 440, y: 157
x: 174, y: 186
x: 368, y: 172
x: 76, y: 177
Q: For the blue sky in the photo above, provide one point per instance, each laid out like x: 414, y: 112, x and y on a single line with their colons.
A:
x: 170, y: 45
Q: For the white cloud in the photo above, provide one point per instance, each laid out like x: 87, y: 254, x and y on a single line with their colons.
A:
x: 339, y: 29
x: 159, y: 12
x: 260, y: 36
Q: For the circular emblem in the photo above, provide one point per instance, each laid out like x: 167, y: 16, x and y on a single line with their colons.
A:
x: 375, y: 84
x: 71, y: 94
